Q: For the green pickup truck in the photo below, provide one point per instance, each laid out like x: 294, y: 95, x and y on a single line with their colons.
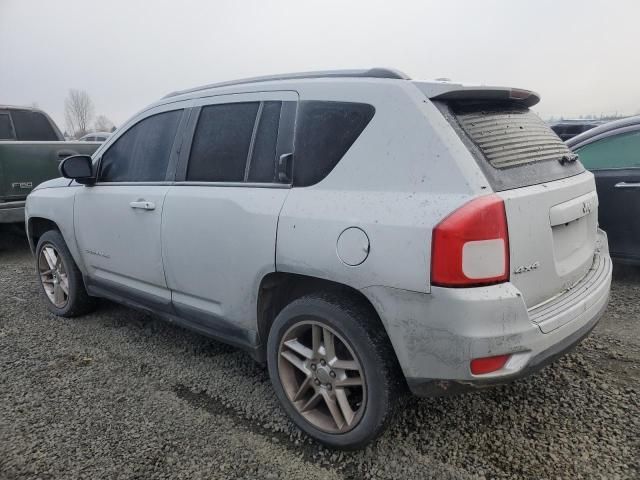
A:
x: 31, y: 147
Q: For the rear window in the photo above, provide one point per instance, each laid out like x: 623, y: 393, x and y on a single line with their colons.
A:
x: 512, y: 145
x: 326, y: 130
x: 33, y: 126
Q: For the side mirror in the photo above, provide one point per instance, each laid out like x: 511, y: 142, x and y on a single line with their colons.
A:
x: 78, y: 168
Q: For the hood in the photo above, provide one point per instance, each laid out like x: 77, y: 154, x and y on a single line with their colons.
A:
x: 54, y: 183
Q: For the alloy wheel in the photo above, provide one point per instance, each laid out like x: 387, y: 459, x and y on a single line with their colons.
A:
x: 322, y: 377
x: 53, y: 276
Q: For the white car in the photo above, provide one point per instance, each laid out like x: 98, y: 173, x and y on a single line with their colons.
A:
x: 359, y: 231
x: 95, y: 137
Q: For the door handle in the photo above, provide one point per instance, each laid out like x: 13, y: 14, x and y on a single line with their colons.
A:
x: 627, y: 185
x: 143, y: 205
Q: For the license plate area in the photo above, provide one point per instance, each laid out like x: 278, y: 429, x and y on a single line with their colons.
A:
x: 573, y: 226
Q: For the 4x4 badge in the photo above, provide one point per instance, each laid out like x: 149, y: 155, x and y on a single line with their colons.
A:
x: 526, y: 268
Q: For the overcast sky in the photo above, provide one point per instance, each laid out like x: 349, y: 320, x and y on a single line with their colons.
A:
x: 579, y: 55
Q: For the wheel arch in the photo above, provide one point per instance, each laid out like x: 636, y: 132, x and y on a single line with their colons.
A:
x: 36, y: 227
x: 38, y: 224
x: 278, y: 289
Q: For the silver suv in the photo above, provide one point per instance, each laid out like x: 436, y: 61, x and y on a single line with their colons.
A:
x: 359, y: 231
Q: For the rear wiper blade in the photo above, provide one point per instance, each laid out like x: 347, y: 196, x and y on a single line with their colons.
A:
x: 568, y: 158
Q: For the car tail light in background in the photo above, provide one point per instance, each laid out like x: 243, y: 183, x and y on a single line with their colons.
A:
x: 470, y: 247
x: 480, y: 366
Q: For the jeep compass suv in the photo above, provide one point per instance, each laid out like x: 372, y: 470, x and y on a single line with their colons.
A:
x: 359, y: 231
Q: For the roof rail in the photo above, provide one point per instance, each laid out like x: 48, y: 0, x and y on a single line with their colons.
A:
x: 370, y: 73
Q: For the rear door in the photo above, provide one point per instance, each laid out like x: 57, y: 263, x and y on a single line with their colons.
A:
x: 550, y: 200
x: 30, y: 162
x: 220, y: 218
x: 7, y: 133
x: 615, y: 162
x: 37, y: 162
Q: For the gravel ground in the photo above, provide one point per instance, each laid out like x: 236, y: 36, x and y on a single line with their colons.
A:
x: 120, y: 394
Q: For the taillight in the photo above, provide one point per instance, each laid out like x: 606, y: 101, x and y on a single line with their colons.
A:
x: 470, y: 247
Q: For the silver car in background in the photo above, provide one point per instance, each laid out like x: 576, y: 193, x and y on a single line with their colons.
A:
x: 95, y: 137
x: 359, y: 231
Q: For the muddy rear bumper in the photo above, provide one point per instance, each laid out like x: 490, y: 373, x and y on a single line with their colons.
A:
x: 429, y: 387
x: 436, y: 335
x: 12, y: 212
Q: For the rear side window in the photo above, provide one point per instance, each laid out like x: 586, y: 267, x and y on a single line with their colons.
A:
x: 33, y: 126
x: 326, y: 130
x: 262, y: 164
x: 6, y: 130
x: 511, y: 144
x: 222, y: 142
x: 619, y: 151
x: 142, y: 153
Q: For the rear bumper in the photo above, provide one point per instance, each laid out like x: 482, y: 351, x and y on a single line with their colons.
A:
x: 12, y: 212
x: 429, y: 387
x: 436, y: 335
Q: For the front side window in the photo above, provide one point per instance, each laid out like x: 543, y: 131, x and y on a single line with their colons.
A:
x: 6, y: 130
x: 619, y: 151
x: 142, y: 153
x: 33, y: 126
x: 326, y: 130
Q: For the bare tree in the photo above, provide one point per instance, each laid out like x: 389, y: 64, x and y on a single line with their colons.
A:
x: 103, y: 124
x: 78, y: 112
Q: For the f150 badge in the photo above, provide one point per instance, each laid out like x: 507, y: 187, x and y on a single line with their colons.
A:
x: 22, y: 185
x: 526, y: 268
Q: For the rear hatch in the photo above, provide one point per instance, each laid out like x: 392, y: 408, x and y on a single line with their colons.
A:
x: 550, y: 200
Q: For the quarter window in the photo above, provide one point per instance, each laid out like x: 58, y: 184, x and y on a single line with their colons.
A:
x: 619, y: 151
x: 142, y: 153
x: 326, y: 131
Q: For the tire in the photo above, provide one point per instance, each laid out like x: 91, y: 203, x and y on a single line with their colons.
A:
x: 52, y: 280
x: 356, y: 337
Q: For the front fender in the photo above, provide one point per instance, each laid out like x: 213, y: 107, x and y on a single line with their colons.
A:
x: 55, y: 205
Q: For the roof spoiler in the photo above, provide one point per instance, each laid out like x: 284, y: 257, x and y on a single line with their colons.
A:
x: 453, y: 91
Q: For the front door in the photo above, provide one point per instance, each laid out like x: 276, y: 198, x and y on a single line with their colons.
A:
x: 220, y: 222
x: 615, y: 162
x: 118, y: 220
